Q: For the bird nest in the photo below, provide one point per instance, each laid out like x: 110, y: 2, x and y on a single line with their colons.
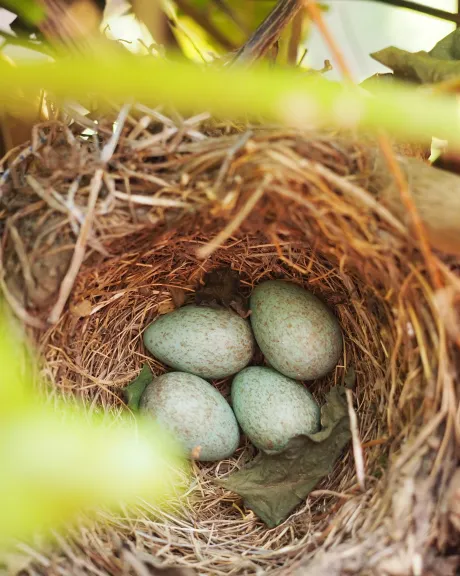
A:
x: 100, y: 233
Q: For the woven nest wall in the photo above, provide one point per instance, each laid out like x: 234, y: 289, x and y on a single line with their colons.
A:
x: 176, y: 201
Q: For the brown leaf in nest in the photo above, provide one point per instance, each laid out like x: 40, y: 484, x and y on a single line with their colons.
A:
x: 221, y: 288
x: 82, y: 309
x: 165, y: 307
x: 177, y: 295
x: 176, y: 301
x: 436, y: 195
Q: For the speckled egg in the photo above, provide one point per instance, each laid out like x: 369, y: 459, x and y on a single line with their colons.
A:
x: 271, y: 408
x: 208, y: 342
x: 195, y: 413
x: 298, y: 335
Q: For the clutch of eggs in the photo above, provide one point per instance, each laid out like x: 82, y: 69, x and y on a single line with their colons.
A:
x: 301, y: 340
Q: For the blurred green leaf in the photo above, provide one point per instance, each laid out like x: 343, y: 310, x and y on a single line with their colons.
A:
x: 286, y: 96
x: 199, y: 3
x: 15, y: 375
x: 29, y: 10
x: 57, y: 462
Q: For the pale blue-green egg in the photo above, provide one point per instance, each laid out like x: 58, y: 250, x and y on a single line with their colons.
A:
x: 297, y: 333
x: 195, y: 413
x: 208, y: 342
x: 272, y: 408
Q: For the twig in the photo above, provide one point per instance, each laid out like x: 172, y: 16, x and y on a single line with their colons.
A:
x: 80, y: 250
x: 137, y: 565
x: 164, y: 135
x: 357, y: 448
x: 430, y: 11
x: 20, y: 158
x: 240, y: 143
x: 284, y: 259
x: 317, y: 493
x: 376, y: 442
x: 147, y: 177
x: 140, y: 127
x: 23, y: 258
x: 19, y: 310
x: 358, y: 193
x: 268, y: 32
x: 109, y: 148
x: 233, y: 225
x: 52, y: 200
x: 187, y: 124
x: 150, y: 200
x: 84, y: 120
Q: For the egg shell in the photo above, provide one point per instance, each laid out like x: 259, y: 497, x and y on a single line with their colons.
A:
x: 195, y: 413
x: 208, y: 342
x: 298, y: 335
x: 272, y: 408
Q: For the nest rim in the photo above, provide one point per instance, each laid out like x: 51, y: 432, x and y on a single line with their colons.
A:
x: 291, y: 219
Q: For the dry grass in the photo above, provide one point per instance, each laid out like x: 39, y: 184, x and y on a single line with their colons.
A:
x: 177, y: 198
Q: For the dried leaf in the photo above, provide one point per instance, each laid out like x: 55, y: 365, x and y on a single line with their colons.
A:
x: 133, y: 392
x: 178, y: 296
x: 221, y: 288
x: 273, y: 486
x: 165, y: 307
x: 82, y: 309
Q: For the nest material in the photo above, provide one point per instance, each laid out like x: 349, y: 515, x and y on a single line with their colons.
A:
x: 176, y: 202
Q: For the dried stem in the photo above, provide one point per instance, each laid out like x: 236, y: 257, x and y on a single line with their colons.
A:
x: 80, y: 250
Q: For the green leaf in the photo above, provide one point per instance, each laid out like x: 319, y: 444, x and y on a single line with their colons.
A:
x: 273, y: 486
x: 29, y: 10
x: 448, y: 48
x: 133, y: 392
x: 419, y: 66
x: 424, y: 67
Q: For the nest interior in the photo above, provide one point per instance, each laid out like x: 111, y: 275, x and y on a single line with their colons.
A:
x: 175, y: 202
